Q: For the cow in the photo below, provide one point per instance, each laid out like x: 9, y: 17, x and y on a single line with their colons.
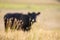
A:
x: 20, y: 21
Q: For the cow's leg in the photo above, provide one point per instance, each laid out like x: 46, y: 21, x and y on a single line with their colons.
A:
x: 14, y: 24
x: 6, y: 24
x: 17, y: 24
x: 5, y: 21
x: 20, y: 24
x: 9, y: 23
x: 12, y: 20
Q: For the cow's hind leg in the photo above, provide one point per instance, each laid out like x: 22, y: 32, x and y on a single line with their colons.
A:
x: 5, y: 21
x: 6, y: 24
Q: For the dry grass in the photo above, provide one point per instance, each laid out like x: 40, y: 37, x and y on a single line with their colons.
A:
x: 34, y: 34
x: 37, y: 35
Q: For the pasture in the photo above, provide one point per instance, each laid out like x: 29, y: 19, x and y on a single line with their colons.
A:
x: 47, y: 26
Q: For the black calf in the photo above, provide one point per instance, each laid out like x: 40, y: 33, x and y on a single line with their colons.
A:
x: 23, y: 21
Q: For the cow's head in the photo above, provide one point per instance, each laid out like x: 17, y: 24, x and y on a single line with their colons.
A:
x: 33, y: 16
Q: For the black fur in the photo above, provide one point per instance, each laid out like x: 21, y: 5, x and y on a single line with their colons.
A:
x: 26, y: 19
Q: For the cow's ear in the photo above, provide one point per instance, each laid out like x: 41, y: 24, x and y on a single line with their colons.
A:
x: 29, y: 13
x: 38, y: 13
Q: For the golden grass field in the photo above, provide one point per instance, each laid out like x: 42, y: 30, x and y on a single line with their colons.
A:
x: 43, y: 29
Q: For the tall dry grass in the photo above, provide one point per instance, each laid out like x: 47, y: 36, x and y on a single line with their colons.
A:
x: 35, y: 33
x: 32, y: 35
